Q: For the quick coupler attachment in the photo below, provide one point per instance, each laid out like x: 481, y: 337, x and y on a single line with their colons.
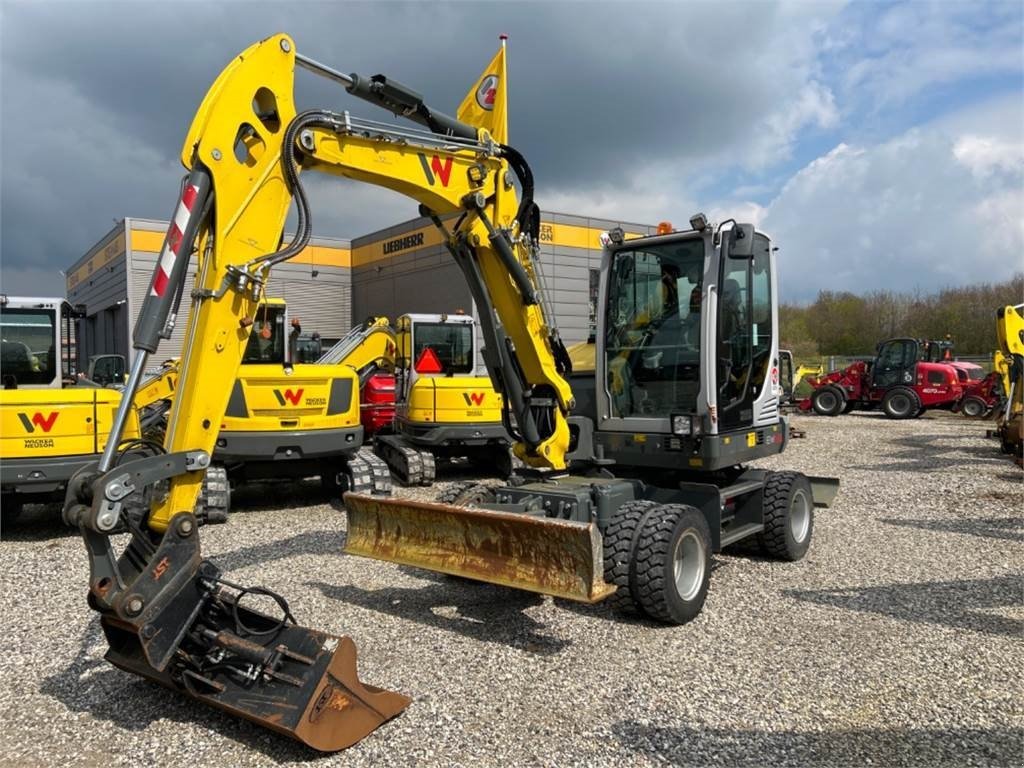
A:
x: 291, y: 679
x: 169, y: 616
x: 553, y: 557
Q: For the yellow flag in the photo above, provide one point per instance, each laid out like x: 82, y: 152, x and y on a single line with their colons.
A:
x: 485, y: 106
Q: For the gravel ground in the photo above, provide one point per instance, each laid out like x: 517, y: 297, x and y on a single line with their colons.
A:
x: 896, y: 641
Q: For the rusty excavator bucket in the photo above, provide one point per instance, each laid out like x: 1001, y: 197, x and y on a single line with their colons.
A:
x: 537, y: 554
x: 291, y: 679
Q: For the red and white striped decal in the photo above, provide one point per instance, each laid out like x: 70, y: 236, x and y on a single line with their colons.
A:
x: 173, y: 242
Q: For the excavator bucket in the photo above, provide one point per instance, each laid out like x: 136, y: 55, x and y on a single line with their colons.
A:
x: 537, y: 554
x: 310, y: 692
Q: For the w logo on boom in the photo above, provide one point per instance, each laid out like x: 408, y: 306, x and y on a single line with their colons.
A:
x: 288, y: 396
x: 45, y: 423
x: 473, y: 398
x: 436, y: 168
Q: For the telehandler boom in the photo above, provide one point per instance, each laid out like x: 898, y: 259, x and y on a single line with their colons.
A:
x: 686, y: 390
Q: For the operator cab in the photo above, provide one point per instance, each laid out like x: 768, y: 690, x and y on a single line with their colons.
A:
x: 36, y: 347
x: 433, y: 345
x: 269, y: 341
x: 691, y: 348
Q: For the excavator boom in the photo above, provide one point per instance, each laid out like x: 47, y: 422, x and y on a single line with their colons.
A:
x: 168, y: 614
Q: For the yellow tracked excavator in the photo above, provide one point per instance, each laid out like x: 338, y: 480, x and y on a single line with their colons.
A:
x: 634, y: 475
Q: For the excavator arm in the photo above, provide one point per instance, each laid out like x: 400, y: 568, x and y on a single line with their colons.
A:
x: 170, y: 615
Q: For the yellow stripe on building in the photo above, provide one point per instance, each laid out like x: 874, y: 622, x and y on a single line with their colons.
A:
x: 564, y: 235
x: 111, y: 251
x: 317, y: 255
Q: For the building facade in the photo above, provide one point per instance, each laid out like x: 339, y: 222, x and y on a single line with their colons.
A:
x: 405, y: 268
x: 335, y: 282
x: 114, y: 276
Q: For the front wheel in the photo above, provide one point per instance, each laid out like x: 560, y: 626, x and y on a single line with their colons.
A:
x: 901, y: 403
x: 828, y: 401
x: 788, y: 510
x: 671, y: 566
x: 973, y: 407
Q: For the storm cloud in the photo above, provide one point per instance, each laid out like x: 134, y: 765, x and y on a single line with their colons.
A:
x: 641, y: 112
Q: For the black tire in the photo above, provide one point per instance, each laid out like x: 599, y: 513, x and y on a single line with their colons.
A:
x: 828, y: 401
x: 471, y: 495
x: 451, y: 494
x: 901, y: 403
x: 667, y: 535
x: 619, y: 543
x: 501, y: 460
x: 10, y: 508
x: 973, y: 407
x: 788, y: 509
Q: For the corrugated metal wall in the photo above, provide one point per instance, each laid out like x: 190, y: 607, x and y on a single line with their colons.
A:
x: 389, y: 279
x: 98, y: 281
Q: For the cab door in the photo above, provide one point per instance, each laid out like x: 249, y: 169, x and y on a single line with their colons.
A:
x: 747, y: 359
x: 895, y: 364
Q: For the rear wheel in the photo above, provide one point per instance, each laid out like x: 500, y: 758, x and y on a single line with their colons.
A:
x: 788, y: 509
x: 827, y: 401
x: 619, y: 540
x: 973, y: 407
x: 901, y: 403
x: 671, y: 566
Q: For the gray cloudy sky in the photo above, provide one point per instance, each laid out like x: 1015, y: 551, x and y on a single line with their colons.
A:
x: 882, y: 145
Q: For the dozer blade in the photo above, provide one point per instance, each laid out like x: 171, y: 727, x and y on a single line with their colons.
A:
x: 311, y: 692
x: 553, y: 557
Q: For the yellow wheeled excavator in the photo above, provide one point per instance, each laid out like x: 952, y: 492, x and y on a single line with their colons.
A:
x: 627, y: 490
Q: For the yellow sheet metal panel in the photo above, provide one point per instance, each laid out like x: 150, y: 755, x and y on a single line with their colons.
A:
x: 552, y: 557
x: 301, y: 401
x: 58, y: 422
x: 455, y: 400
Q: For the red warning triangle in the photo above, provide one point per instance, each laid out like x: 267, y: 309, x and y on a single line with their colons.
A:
x: 428, y: 362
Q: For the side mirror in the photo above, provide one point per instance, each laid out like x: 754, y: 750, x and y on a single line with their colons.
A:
x: 741, y: 241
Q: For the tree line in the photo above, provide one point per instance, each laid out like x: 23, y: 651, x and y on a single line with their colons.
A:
x: 843, y: 323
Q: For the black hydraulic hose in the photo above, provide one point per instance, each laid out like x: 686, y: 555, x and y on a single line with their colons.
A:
x: 304, y: 225
x: 528, y: 214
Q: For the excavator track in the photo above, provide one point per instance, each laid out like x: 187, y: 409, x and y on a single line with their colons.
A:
x: 358, y: 473
x: 409, y: 465
x: 214, y: 501
x: 381, y: 475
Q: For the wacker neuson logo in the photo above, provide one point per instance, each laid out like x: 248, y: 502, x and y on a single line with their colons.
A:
x: 474, y: 398
x: 45, y: 423
x: 288, y: 396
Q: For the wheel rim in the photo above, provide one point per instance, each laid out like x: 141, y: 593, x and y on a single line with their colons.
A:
x: 972, y: 408
x: 799, y: 516
x: 827, y: 401
x: 899, y: 404
x: 688, y: 565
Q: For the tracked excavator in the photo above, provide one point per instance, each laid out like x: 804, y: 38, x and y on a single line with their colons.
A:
x: 422, y: 397
x: 444, y: 407
x: 632, y: 479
